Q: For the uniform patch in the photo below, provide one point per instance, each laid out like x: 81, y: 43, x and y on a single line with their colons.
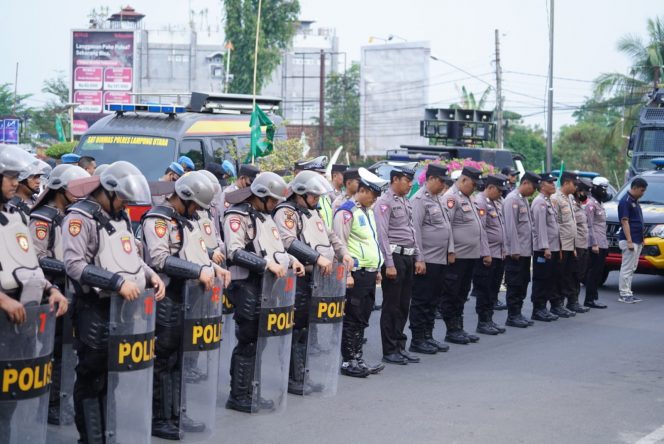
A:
x: 289, y: 223
x: 160, y: 228
x: 22, y: 240
x: 515, y: 205
x: 74, y: 227
x: 275, y: 233
x: 41, y: 230
x: 207, y: 228
x: 383, y: 208
x: 362, y: 221
x: 482, y: 212
x: 347, y: 217
x: 319, y: 224
x: 451, y: 203
x: 126, y: 244
x: 234, y: 224
x: 203, y: 246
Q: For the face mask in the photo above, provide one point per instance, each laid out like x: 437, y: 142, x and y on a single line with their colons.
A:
x: 582, y: 196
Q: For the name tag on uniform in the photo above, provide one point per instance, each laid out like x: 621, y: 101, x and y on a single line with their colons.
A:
x: 493, y: 214
x: 523, y: 210
x: 465, y: 207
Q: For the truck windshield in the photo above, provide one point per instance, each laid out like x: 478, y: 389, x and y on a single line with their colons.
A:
x: 652, y: 140
x: 151, y: 155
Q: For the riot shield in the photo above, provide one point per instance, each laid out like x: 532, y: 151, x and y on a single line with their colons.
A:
x: 25, y: 362
x: 200, y: 352
x: 275, y: 332
x: 131, y: 343
x: 68, y: 362
x: 326, y: 313
x: 229, y: 341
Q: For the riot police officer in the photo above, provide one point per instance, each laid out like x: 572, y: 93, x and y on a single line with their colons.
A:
x: 29, y: 185
x: 306, y: 238
x: 546, y: 246
x: 253, y: 247
x: 355, y: 225
x: 175, y: 247
x: 246, y: 174
x: 486, y: 280
x: 433, y: 236
x: 598, y: 243
x: 209, y: 222
x: 102, y: 262
x: 45, y: 229
x: 22, y: 287
x: 519, y: 246
x: 468, y: 235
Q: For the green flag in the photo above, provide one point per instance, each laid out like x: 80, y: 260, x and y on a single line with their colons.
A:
x: 59, y: 129
x: 260, y: 147
x: 560, y: 175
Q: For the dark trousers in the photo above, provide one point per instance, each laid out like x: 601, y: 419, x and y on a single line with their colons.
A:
x: 396, y: 301
x: 458, y: 278
x: 90, y: 390
x: 427, y: 292
x: 545, y: 273
x: 517, y: 277
x: 595, y: 273
x: 359, y: 304
x: 565, y: 279
x: 580, y: 267
x: 486, y: 282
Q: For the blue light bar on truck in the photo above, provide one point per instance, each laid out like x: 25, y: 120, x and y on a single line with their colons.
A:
x: 134, y: 107
x: 658, y: 162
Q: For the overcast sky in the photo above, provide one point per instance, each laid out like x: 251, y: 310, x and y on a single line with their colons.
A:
x: 36, y: 34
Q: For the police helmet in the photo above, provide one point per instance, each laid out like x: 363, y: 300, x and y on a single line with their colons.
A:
x: 62, y: 174
x: 213, y: 179
x: 309, y: 182
x: 127, y: 181
x: 269, y: 184
x: 196, y: 187
x: 100, y: 169
x: 14, y: 161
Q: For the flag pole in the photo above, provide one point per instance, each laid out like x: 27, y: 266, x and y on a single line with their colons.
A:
x: 258, y: 27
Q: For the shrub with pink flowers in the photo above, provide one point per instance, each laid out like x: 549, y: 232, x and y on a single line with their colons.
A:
x: 457, y: 165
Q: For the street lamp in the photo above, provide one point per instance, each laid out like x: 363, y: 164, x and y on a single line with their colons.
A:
x: 70, y: 107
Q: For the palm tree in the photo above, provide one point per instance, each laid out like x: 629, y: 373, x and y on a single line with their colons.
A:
x: 468, y: 99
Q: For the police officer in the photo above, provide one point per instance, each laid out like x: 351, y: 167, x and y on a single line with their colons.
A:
x: 546, y: 246
x: 433, y: 237
x: 396, y: 236
x: 253, y: 247
x: 598, y: 243
x: 337, y: 181
x: 562, y: 204
x: 519, y: 245
x: 172, y: 173
x: 46, y: 233
x: 351, y: 183
x: 173, y: 246
x: 306, y: 238
x: 325, y: 202
x: 583, y: 187
x: 94, y: 230
x: 487, y: 280
x: 22, y: 282
x: 512, y: 176
x: 209, y: 222
x: 29, y: 187
x: 355, y: 225
x: 468, y: 236
x: 246, y: 175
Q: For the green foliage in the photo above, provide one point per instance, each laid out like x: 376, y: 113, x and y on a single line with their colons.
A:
x: 7, y: 101
x: 278, y: 26
x: 528, y: 141
x: 342, y: 114
x: 59, y: 149
x: 43, y: 120
x: 468, y: 101
x: 281, y: 160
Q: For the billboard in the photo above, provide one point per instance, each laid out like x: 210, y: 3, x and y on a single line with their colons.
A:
x: 394, y: 90
x: 9, y: 130
x: 102, y: 72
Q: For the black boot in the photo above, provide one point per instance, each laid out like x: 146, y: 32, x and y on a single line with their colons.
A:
x: 454, y: 334
x: 500, y: 329
x: 162, y: 409
x: 541, y: 314
x: 558, y: 310
x: 515, y: 319
x: 242, y: 373
x: 485, y: 326
x: 421, y: 345
x: 297, y: 363
x: 499, y: 306
x: 93, y: 421
x: 351, y: 348
x: 472, y: 338
x: 439, y: 345
x: 576, y: 307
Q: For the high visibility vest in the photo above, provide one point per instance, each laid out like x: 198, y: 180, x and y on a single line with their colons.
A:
x: 363, y: 239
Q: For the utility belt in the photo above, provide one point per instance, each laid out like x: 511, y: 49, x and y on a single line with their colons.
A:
x: 366, y: 269
x: 404, y: 251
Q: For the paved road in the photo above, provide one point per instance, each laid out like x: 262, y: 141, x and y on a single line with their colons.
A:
x: 597, y: 378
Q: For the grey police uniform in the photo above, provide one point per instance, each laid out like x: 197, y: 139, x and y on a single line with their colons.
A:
x: 546, y: 236
x: 596, y: 237
x: 581, y: 245
x: 562, y: 205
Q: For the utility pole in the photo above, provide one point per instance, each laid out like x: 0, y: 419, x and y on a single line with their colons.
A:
x: 15, y: 90
x: 499, y: 95
x: 549, y: 120
x: 321, y: 105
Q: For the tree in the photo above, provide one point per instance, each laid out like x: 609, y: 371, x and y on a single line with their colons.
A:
x: 43, y: 120
x: 342, y: 113
x: 7, y: 101
x: 468, y: 100
x: 528, y: 141
x: 278, y: 26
